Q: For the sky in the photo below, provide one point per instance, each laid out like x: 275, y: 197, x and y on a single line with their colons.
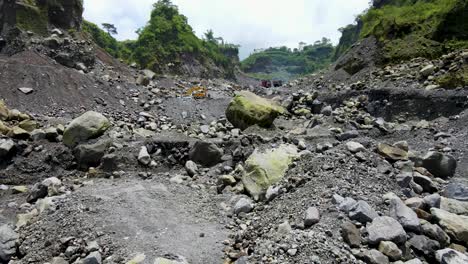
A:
x: 253, y: 24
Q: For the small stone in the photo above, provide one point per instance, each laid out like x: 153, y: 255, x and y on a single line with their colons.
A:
x: 450, y: 256
x: 93, y: 258
x: 390, y: 250
x: 311, y: 217
x: 385, y: 228
x: 8, y: 242
x: 191, y: 168
x: 284, y: 229
x: 439, y: 164
x: 351, y: 235
x: 355, y: 147
x: 244, y: 205
x: 423, y: 245
x: 404, y: 215
x: 26, y: 90
x: 143, y: 156
x: 374, y: 256
x: 272, y: 193
x: 362, y: 212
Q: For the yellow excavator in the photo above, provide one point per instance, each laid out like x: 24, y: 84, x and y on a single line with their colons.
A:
x: 197, y: 92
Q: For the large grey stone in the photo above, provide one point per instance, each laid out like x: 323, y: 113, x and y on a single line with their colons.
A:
x: 244, y: 205
x: 374, y: 256
x: 439, y: 164
x: 424, y: 245
x: 454, y: 206
x: 311, y: 217
x: 93, y: 258
x: 205, y: 153
x: 6, y: 148
x: 456, y: 226
x: 457, y: 190
x: 89, y: 125
x: 8, y: 240
x: 90, y: 155
x: 385, y: 228
x: 362, y: 212
x: 404, y: 215
x: 351, y: 235
x: 450, y: 256
x: 435, y: 232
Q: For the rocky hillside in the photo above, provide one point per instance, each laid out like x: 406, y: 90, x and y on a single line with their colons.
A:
x: 101, y: 163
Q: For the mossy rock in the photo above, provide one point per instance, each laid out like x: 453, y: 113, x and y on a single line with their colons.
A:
x: 264, y: 169
x: 452, y: 80
x: 248, y: 109
x: 31, y: 17
x: 4, y: 112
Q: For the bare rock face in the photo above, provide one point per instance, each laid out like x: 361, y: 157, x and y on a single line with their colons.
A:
x: 39, y: 16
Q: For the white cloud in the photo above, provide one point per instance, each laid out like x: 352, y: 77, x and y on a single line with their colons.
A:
x: 250, y: 23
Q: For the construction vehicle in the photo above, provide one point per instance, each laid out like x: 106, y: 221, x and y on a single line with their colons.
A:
x: 271, y: 83
x: 197, y: 92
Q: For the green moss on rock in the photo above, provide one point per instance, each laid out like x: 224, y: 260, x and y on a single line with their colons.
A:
x: 248, y: 109
x: 452, y: 80
x: 264, y: 169
x: 30, y: 17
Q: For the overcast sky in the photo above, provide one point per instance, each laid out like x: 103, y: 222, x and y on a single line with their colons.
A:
x: 250, y: 23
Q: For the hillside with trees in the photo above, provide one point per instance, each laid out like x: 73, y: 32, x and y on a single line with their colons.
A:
x: 167, y: 42
x: 285, y: 63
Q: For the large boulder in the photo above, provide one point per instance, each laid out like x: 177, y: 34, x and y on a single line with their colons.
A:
x: 90, y: 155
x: 456, y: 226
x: 264, y: 169
x: 89, y: 125
x: 248, y: 109
x: 404, y: 215
x: 439, y: 164
x: 385, y: 228
x: 205, y: 153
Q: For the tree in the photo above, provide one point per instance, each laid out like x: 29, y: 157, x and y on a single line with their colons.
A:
x: 209, y: 36
x: 110, y: 28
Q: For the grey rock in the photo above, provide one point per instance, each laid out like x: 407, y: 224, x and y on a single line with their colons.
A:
x: 311, y: 217
x: 439, y: 164
x: 93, y: 258
x: 6, y: 147
x: 450, y: 256
x: 351, y: 235
x: 90, y: 155
x: 89, y: 125
x: 424, y: 245
x: 432, y: 201
x: 205, y: 129
x: 327, y: 110
x: 191, y: 168
x: 350, y: 134
x: 414, y: 261
x: 390, y: 250
x: 415, y: 203
x: 454, y: 206
x: 8, y: 240
x: 362, y: 212
x: 385, y: 228
x: 435, y: 232
x: 58, y: 260
x: 404, y: 215
x: 244, y: 205
x: 425, y: 182
x: 37, y: 192
x: 205, y: 153
x: 347, y: 204
x: 143, y: 156
x: 374, y: 256
x: 457, y: 190
x: 26, y: 90
x: 404, y: 179
x: 456, y: 226
x: 355, y: 147
x: 38, y: 134
x: 272, y: 192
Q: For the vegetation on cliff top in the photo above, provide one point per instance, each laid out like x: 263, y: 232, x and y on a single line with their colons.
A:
x: 284, y: 63
x: 411, y: 28
x: 167, y: 38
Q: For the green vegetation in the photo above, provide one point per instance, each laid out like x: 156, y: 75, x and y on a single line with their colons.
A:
x: 454, y: 80
x: 284, y: 63
x: 101, y: 38
x: 167, y: 38
x: 411, y: 28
